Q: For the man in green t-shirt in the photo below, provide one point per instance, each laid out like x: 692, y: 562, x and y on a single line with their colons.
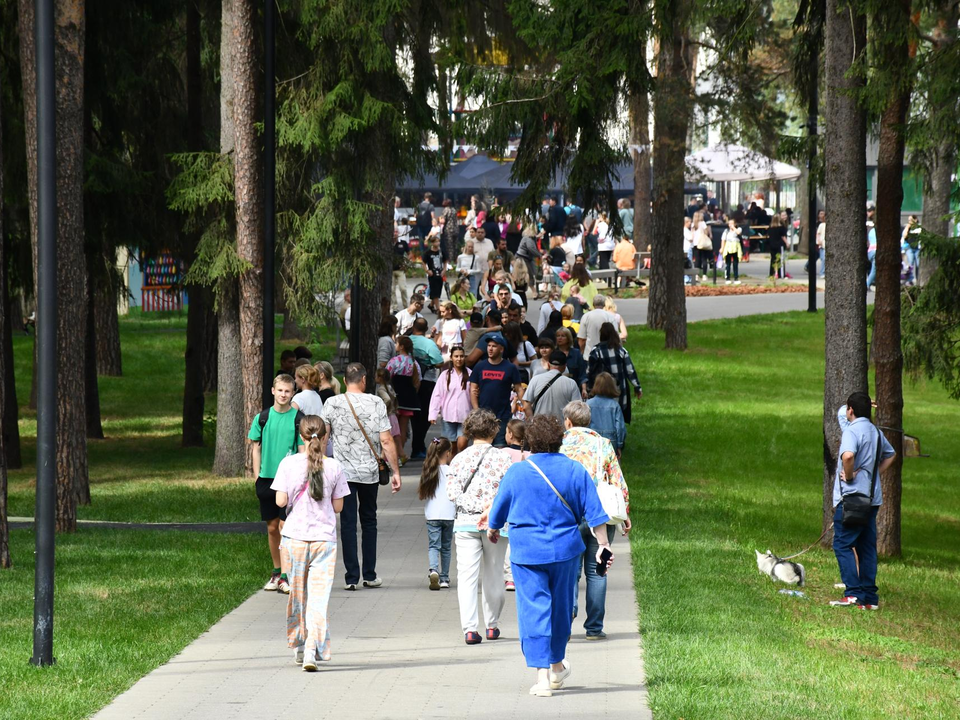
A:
x: 272, y: 442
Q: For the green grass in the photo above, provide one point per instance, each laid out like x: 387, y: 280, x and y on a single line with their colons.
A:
x: 126, y: 602
x: 724, y: 457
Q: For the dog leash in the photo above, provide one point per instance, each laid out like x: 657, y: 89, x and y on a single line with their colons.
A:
x: 822, y: 535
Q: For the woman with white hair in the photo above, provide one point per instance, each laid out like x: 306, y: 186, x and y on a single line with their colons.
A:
x: 599, y: 459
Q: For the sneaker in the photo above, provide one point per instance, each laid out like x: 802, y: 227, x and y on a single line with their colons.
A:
x: 599, y: 636
x: 839, y: 586
x: 273, y: 583
x: 543, y: 690
x: 434, y: 580
x: 726, y: 282
x: 444, y: 584
x: 848, y: 601
x: 350, y: 586
x: 298, y: 655
x: 375, y: 583
x: 310, y: 665
x: 868, y: 607
x: 472, y: 638
x: 493, y: 633
x: 509, y: 586
x: 737, y: 282
x: 283, y: 586
x: 556, y: 679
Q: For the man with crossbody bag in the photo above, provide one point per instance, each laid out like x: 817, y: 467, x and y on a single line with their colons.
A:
x: 550, y: 391
x: 361, y: 442
x: 865, y: 454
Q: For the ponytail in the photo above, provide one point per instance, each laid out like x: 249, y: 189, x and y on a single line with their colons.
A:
x: 430, y: 476
x: 312, y: 430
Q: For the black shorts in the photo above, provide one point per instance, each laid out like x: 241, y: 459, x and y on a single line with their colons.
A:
x: 268, y: 501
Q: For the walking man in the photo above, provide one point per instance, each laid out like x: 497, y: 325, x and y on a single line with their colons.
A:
x: 492, y: 381
x: 273, y: 434
x: 864, y: 454
x: 361, y: 434
x: 549, y: 392
x: 589, y: 332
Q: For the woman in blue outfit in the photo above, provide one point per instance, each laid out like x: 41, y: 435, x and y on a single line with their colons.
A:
x: 544, y: 500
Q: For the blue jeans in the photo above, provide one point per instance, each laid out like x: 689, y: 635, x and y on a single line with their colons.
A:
x: 501, y: 439
x: 913, y: 255
x: 452, y: 430
x: 823, y: 261
x: 860, y: 584
x: 596, y: 584
x: 872, y: 257
x: 474, y: 284
x: 440, y: 540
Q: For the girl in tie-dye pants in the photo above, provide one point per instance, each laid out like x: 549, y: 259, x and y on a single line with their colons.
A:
x: 311, y: 488
x: 312, y: 567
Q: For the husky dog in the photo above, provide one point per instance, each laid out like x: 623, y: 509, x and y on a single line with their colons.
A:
x: 778, y: 569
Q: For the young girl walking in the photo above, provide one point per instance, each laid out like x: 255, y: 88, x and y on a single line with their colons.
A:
x: 312, y: 489
x: 439, y: 511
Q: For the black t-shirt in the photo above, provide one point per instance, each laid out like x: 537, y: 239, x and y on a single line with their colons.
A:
x: 325, y: 394
x: 529, y: 332
x: 425, y: 212
x: 777, y: 236
x: 433, y: 261
x: 557, y: 257
x: 400, y: 250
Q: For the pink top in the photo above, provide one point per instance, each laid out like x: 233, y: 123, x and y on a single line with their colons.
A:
x: 453, y: 403
x: 310, y: 521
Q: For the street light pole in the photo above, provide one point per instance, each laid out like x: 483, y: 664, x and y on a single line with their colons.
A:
x: 46, y: 335
x: 269, y: 195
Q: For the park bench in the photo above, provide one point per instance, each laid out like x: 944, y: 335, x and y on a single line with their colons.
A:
x: 638, y: 272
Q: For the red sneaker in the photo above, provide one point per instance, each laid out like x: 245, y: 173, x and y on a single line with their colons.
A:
x: 472, y: 638
x: 863, y: 606
x: 493, y: 633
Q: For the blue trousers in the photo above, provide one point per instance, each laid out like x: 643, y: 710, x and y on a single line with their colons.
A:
x: 439, y: 542
x: 872, y: 275
x: 596, y: 584
x: 860, y: 584
x: 545, y: 609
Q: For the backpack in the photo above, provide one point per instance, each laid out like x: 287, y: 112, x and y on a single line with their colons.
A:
x: 265, y: 415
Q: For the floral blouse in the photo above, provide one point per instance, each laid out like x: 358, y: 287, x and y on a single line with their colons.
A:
x: 491, y: 464
x: 597, y: 456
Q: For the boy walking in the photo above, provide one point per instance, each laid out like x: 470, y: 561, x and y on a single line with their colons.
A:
x: 274, y: 436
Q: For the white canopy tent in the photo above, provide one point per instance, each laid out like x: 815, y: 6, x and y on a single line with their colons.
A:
x: 726, y: 163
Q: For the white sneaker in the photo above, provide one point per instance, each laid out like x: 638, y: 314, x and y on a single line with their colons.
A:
x: 726, y: 282
x: 298, y: 655
x: 541, y: 690
x: 434, y: 580
x: 310, y: 665
x: 444, y: 584
x: 350, y: 586
x: 737, y: 282
x: 273, y: 583
x: 556, y: 679
x: 375, y: 583
x: 848, y: 601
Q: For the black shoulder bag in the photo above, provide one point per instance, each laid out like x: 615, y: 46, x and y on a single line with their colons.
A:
x: 543, y: 391
x: 857, y: 506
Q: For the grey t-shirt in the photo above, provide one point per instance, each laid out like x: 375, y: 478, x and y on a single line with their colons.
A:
x: 590, y: 327
x: 564, y: 390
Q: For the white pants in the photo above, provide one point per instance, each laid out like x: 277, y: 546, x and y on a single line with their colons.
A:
x: 507, y: 567
x: 475, y: 553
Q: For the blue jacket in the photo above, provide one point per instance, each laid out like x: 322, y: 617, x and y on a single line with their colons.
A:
x: 606, y: 417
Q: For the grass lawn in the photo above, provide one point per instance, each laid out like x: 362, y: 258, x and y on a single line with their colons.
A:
x: 726, y: 459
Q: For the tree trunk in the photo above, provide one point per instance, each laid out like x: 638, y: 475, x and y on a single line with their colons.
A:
x: 4, y: 417
x: 195, y: 353
x: 936, y: 196
x: 28, y: 75
x: 90, y: 383
x: 105, y: 317
x: 9, y: 420
x: 892, y: 22
x: 229, y: 457
x: 667, y: 308
x: 248, y: 192
x: 640, y: 135
x: 209, y: 358
x: 845, y: 187
x: 230, y: 450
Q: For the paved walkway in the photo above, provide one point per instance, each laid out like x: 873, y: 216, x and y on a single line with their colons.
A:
x: 397, y: 653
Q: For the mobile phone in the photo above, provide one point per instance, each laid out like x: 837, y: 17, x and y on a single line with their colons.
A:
x: 604, y: 559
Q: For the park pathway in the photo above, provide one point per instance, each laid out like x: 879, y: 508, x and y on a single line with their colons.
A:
x: 397, y: 652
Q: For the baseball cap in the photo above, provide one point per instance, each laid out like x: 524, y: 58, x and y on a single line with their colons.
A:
x: 494, y: 337
x: 558, y: 357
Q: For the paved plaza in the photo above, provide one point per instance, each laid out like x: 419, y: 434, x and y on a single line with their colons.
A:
x: 397, y: 652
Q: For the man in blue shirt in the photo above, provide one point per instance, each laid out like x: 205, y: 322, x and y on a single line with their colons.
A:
x: 859, y: 445
x: 492, y: 381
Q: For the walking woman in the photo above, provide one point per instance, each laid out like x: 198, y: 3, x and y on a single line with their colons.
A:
x: 576, y: 363
x: 472, y: 484
x: 307, y: 400
x: 703, y: 242
x: 450, y: 232
x: 451, y: 397
x: 329, y: 385
x: 544, y: 499
x: 609, y: 356
x: 468, y: 265
x: 731, y: 250
x: 405, y: 377
x: 312, y: 489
